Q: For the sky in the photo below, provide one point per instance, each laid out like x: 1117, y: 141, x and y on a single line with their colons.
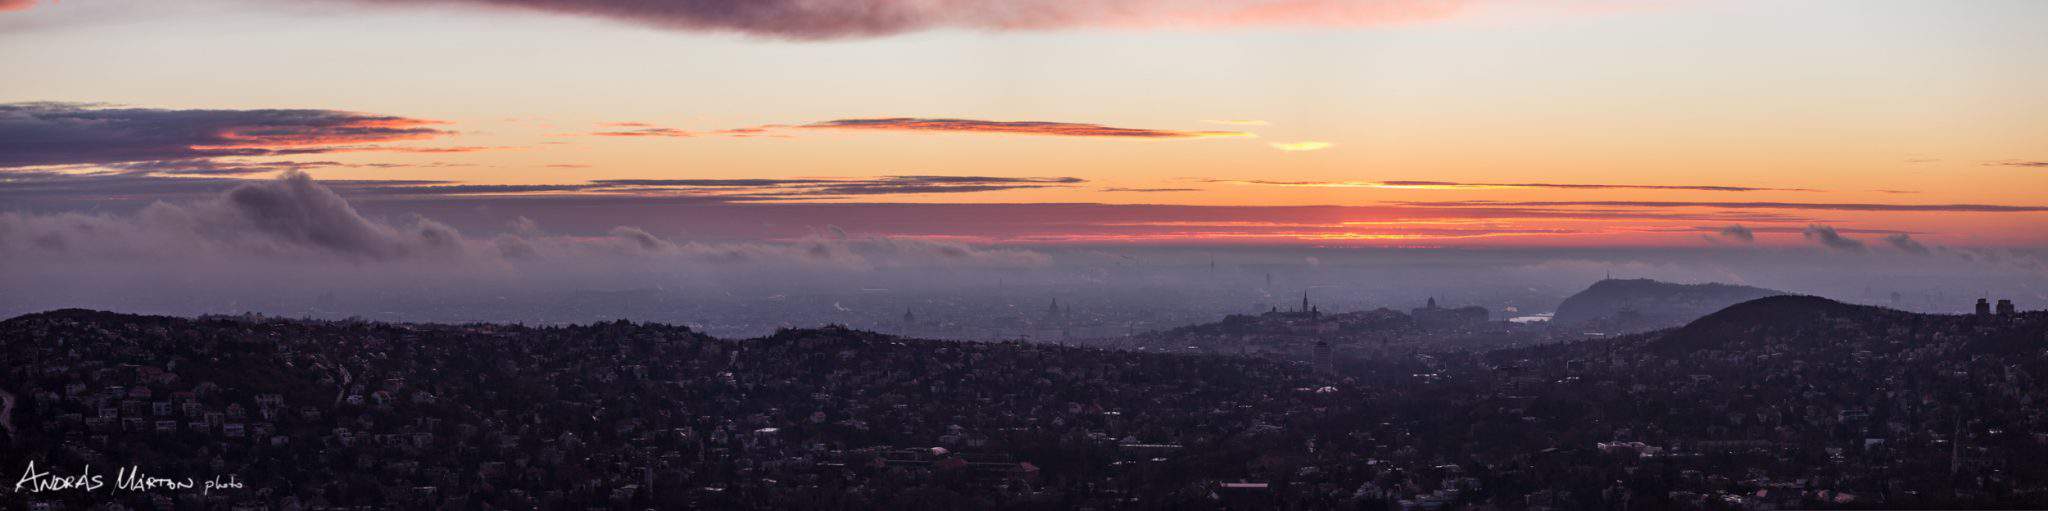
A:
x: 381, y: 130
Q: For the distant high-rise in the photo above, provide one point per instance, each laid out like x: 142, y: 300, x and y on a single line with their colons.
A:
x: 1983, y: 307
x: 1323, y: 362
x: 2005, y: 308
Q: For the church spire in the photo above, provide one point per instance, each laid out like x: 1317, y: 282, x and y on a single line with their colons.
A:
x: 1304, y: 300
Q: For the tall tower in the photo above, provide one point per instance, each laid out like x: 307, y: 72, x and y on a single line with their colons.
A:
x: 1304, y: 300
x: 1983, y: 307
x: 2005, y: 308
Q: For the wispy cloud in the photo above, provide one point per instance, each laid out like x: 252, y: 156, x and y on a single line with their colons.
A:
x: 1149, y: 190
x: 1306, y: 145
x: 770, y: 189
x: 1452, y: 185
x: 1956, y: 208
x: 809, y: 19
x: 37, y: 134
x: 647, y: 132
x: 1062, y: 129
x: 2019, y: 163
x: 59, y: 186
x: 1238, y: 122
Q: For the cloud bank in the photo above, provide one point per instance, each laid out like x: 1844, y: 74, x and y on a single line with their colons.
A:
x: 293, y: 218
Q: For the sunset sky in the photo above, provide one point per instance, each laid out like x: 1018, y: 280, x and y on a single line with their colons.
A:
x: 1873, y: 125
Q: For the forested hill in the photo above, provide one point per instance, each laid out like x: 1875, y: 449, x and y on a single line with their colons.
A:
x: 1644, y: 304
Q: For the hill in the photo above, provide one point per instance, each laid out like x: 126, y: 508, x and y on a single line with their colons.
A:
x: 1629, y: 305
x: 630, y: 415
x: 1787, y: 401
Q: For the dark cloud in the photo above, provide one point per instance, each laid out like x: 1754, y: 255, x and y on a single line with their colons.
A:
x: 1905, y: 242
x: 52, y: 186
x: 1957, y: 208
x: 812, y: 19
x: 1063, y: 129
x: 1738, y: 232
x: 229, y: 167
x: 1828, y: 237
x: 36, y: 134
x: 293, y: 210
x: 2020, y: 163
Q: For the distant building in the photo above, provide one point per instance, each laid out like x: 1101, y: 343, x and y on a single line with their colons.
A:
x: 1983, y: 307
x: 1430, y: 315
x: 2005, y: 308
x: 1323, y: 361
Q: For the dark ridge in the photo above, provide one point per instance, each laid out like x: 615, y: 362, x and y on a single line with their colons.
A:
x: 1783, y: 309
x: 85, y: 315
x: 1750, y: 324
x: 1644, y: 304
